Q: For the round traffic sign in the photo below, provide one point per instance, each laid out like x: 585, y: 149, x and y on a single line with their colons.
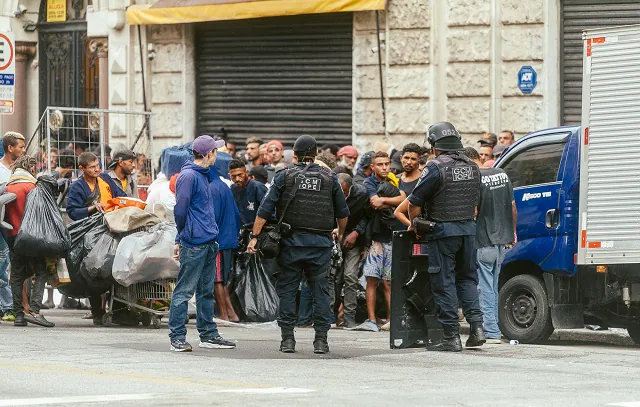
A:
x: 6, y: 39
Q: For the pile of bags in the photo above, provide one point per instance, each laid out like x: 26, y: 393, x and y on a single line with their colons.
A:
x: 126, y: 246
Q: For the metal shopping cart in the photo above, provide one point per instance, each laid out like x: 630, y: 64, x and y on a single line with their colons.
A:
x: 151, y: 299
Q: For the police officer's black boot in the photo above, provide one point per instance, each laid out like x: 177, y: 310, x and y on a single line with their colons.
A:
x: 450, y: 342
x: 320, y: 344
x: 288, y: 344
x: 476, y: 336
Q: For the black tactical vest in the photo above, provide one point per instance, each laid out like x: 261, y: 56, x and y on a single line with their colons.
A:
x: 458, y: 195
x: 312, y: 207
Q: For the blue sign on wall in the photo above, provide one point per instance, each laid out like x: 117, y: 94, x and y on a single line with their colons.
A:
x: 527, y: 79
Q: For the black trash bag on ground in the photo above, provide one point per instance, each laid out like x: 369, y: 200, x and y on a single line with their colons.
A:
x: 42, y: 232
x: 252, y: 290
x: 99, y: 261
x: 85, y: 233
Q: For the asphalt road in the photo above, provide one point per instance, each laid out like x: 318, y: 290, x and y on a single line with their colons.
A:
x: 76, y: 363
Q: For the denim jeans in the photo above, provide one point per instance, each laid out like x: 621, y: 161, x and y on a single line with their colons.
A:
x: 6, y: 300
x: 489, y: 261
x: 314, y: 264
x: 197, y: 276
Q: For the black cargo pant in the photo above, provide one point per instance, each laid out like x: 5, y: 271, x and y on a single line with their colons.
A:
x: 454, y: 276
x: 315, y: 263
x: 22, y: 269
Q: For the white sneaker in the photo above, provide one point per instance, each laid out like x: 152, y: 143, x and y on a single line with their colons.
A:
x: 386, y: 327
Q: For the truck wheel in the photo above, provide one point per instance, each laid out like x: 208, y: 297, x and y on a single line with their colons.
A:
x: 634, y: 333
x: 523, y: 309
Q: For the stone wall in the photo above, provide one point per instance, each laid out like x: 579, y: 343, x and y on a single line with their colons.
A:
x: 454, y: 60
x: 169, y: 77
x: 406, y: 78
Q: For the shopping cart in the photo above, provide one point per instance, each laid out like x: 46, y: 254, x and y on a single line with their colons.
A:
x: 151, y: 299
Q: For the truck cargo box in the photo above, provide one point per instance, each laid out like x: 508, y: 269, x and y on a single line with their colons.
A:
x: 609, y: 206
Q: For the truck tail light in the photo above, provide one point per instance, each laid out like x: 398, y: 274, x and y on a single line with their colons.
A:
x: 601, y: 269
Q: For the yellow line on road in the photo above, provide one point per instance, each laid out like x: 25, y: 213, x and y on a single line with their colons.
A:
x: 140, y: 377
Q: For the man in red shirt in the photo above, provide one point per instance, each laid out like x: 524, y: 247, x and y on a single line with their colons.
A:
x: 22, y: 181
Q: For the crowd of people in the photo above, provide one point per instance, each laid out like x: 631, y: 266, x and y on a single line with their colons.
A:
x: 377, y: 186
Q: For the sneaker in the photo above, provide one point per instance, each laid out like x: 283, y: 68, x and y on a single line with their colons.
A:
x: 386, y: 327
x: 88, y: 315
x: 217, y: 342
x: 9, y: 316
x: 369, y: 326
x: 350, y: 323
x: 180, y: 345
x: 38, y: 319
x: 493, y: 341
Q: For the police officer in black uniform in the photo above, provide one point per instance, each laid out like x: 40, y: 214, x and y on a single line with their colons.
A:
x: 447, y: 194
x: 312, y: 214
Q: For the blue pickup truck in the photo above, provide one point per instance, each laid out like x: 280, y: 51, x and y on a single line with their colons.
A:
x: 543, y: 286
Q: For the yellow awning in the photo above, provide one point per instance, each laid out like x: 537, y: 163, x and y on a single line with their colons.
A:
x: 195, y: 11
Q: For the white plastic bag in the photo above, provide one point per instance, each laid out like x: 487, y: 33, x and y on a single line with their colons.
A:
x: 146, y: 256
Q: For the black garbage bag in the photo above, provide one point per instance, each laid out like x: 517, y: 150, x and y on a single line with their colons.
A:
x: 42, y: 232
x: 99, y: 261
x: 85, y: 233
x: 252, y: 290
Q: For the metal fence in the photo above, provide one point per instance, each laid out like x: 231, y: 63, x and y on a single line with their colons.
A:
x: 64, y: 133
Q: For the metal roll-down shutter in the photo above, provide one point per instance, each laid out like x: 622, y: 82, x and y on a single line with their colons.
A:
x: 578, y: 15
x: 276, y: 78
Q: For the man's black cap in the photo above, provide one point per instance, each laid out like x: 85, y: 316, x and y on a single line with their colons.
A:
x: 121, y: 155
x: 367, y: 159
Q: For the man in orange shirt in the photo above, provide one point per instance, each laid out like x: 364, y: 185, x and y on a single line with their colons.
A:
x: 22, y: 181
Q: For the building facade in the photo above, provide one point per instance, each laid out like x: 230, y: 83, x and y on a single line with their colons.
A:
x: 326, y: 74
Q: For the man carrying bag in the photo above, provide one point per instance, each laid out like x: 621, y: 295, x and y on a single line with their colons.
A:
x: 309, y: 198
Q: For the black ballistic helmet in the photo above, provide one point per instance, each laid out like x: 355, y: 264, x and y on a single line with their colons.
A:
x: 444, y: 137
x: 305, y: 145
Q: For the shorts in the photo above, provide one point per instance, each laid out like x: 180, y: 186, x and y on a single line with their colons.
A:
x: 224, y: 266
x: 378, y: 261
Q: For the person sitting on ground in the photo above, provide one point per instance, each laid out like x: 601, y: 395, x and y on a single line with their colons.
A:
x: 121, y: 170
x: 248, y: 193
x: 21, y: 183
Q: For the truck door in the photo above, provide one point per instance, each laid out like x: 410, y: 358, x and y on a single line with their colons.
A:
x: 533, y: 168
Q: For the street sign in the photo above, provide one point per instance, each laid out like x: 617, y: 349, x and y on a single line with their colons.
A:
x: 527, y: 79
x: 7, y: 73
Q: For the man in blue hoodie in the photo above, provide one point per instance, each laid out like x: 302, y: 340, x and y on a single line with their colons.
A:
x: 196, y: 249
x: 228, y: 220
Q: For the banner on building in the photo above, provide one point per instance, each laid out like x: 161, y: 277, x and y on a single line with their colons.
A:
x: 56, y: 11
x: 7, y: 73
